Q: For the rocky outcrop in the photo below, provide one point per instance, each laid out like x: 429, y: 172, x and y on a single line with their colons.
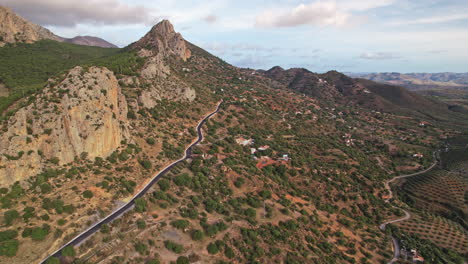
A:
x: 163, y: 40
x: 166, y: 89
x: 84, y: 114
x: 14, y: 28
x: 157, y: 46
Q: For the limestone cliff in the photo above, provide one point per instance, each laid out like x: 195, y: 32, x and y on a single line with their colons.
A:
x: 84, y: 113
x: 14, y: 28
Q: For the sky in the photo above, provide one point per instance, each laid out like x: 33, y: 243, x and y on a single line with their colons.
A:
x: 320, y: 35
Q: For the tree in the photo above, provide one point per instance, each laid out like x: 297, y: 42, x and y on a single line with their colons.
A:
x: 88, y: 194
x: 180, y: 224
x: 212, y: 248
x: 9, y: 248
x: 182, y: 179
x: 141, y: 248
x: 140, y: 205
x: 39, y: 233
x: 105, y: 229
x: 197, y: 235
x: 10, y: 216
x: 229, y: 253
x: 150, y: 141
x: 174, y: 247
x: 68, y: 251
x: 164, y: 185
x: 145, y: 164
x: 183, y: 260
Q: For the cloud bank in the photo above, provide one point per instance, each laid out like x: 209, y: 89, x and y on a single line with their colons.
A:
x: 318, y: 13
x: 69, y: 13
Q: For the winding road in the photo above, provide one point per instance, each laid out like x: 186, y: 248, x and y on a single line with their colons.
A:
x: 124, y: 208
x: 396, y: 246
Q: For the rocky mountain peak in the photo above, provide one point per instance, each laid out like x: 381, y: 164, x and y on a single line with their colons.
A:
x: 14, y: 28
x: 163, y: 28
x: 163, y: 40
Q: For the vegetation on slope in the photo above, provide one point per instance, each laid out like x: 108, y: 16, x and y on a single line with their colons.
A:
x: 25, y: 68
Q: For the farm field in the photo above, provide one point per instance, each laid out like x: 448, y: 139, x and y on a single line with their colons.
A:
x: 438, y: 200
x: 441, y: 231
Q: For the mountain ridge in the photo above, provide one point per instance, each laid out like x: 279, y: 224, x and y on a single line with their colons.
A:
x: 16, y: 29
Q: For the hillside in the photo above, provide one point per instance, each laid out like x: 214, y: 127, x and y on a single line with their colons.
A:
x: 15, y: 29
x: 418, y: 81
x: 25, y: 68
x: 90, y: 41
x: 278, y: 178
x: 339, y: 88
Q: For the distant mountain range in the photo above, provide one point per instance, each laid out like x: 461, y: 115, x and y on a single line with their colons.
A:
x: 15, y: 29
x: 418, y: 81
x: 90, y: 41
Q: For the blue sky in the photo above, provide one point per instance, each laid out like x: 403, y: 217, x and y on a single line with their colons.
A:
x: 320, y: 35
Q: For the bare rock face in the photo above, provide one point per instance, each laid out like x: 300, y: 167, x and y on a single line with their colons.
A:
x: 85, y: 114
x: 14, y: 28
x: 157, y: 45
x: 164, y: 40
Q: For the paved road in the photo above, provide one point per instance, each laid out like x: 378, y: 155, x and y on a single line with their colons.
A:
x: 121, y: 210
x: 396, y: 246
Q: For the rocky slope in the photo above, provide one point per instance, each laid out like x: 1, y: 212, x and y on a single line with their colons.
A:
x: 337, y: 87
x: 90, y: 41
x: 84, y: 114
x: 157, y: 46
x: 14, y: 28
x: 163, y: 41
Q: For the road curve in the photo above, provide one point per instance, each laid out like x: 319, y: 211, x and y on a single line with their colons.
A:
x: 396, y: 246
x: 121, y: 210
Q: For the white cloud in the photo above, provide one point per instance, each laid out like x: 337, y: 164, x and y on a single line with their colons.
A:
x: 69, y: 13
x: 319, y: 13
x: 430, y: 20
x: 379, y: 56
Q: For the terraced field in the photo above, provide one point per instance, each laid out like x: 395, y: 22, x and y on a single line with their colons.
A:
x: 439, y: 230
x: 438, y: 190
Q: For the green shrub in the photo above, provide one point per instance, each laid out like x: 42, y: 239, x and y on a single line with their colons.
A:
x: 9, y: 248
x: 10, y: 216
x: 68, y: 251
x: 183, y: 260
x: 39, y: 233
x: 174, y: 247
x: 164, y: 185
x: 8, y: 235
x: 212, y: 248
x: 150, y: 141
x: 197, y: 235
x: 105, y: 229
x: 88, y: 194
x: 141, y: 248
x: 146, y: 164
x: 140, y: 205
